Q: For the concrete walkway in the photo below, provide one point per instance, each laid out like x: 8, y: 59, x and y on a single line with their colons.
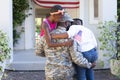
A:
x: 40, y: 75
x: 27, y: 60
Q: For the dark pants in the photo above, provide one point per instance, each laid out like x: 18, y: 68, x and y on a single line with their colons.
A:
x: 85, y: 73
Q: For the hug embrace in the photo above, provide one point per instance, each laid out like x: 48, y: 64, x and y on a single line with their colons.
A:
x: 69, y: 47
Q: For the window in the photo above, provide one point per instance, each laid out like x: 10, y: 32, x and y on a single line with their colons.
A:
x: 94, y: 11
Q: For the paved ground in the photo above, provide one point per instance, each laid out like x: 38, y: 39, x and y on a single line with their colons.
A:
x: 39, y: 75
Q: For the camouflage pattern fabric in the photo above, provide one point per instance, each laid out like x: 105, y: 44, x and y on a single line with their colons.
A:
x: 77, y: 56
x: 39, y: 48
x: 59, y: 59
x: 58, y: 64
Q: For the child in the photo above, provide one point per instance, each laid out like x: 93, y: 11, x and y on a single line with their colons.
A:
x: 87, y: 45
x: 77, y: 21
x: 88, y: 49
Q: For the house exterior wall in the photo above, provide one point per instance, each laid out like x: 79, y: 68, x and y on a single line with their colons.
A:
x: 30, y: 28
x: 74, y: 13
x: 82, y: 12
x: 108, y: 10
x: 27, y: 39
x: 6, y: 22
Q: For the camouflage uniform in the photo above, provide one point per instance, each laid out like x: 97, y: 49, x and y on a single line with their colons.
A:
x: 59, y: 59
x: 39, y: 48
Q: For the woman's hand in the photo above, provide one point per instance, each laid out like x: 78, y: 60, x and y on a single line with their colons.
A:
x: 68, y: 43
x: 59, y: 36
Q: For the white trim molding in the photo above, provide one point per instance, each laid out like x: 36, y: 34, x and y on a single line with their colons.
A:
x: 92, y: 18
x: 82, y: 10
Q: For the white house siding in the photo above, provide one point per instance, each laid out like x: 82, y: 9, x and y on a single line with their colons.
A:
x: 6, y: 21
x: 108, y: 11
x: 20, y: 45
x: 27, y: 39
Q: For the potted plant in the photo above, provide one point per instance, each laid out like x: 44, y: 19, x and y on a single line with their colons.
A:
x: 4, y: 51
x: 110, y: 44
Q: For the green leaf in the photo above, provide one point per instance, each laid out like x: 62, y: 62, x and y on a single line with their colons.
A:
x: 108, y: 37
x: 19, y: 8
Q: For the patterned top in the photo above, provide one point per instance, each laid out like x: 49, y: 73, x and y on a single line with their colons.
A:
x: 59, y: 59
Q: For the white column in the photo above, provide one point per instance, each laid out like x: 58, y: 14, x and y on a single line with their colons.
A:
x: 6, y: 21
x: 20, y: 45
x: 30, y: 28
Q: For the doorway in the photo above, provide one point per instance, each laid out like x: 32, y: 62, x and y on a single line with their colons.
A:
x: 40, y: 15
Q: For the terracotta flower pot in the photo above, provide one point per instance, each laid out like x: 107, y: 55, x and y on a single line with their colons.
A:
x: 115, y: 67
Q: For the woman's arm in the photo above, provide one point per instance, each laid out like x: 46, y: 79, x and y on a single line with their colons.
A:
x: 59, y: 36
x: 69, y: 34
x: 48, y: 38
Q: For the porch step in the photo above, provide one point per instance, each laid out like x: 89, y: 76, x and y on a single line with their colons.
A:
x: 26, y: 60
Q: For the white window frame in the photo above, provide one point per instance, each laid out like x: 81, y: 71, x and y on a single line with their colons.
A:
x: 92, y: 19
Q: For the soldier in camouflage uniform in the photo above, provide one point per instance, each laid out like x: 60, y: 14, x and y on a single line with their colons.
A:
x: 59, y: 59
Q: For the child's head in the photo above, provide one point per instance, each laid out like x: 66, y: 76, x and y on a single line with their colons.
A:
x: 77, y: 21
x: 56, y: 12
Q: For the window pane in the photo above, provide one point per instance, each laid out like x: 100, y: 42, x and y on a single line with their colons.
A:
x: 96, y: 9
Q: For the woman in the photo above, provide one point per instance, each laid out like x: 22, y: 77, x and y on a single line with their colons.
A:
x: 50, y: 23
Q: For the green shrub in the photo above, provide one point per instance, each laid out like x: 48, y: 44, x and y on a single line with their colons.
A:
x: 19, y: 8
x: 4, y: 47
x: 110, y: 39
